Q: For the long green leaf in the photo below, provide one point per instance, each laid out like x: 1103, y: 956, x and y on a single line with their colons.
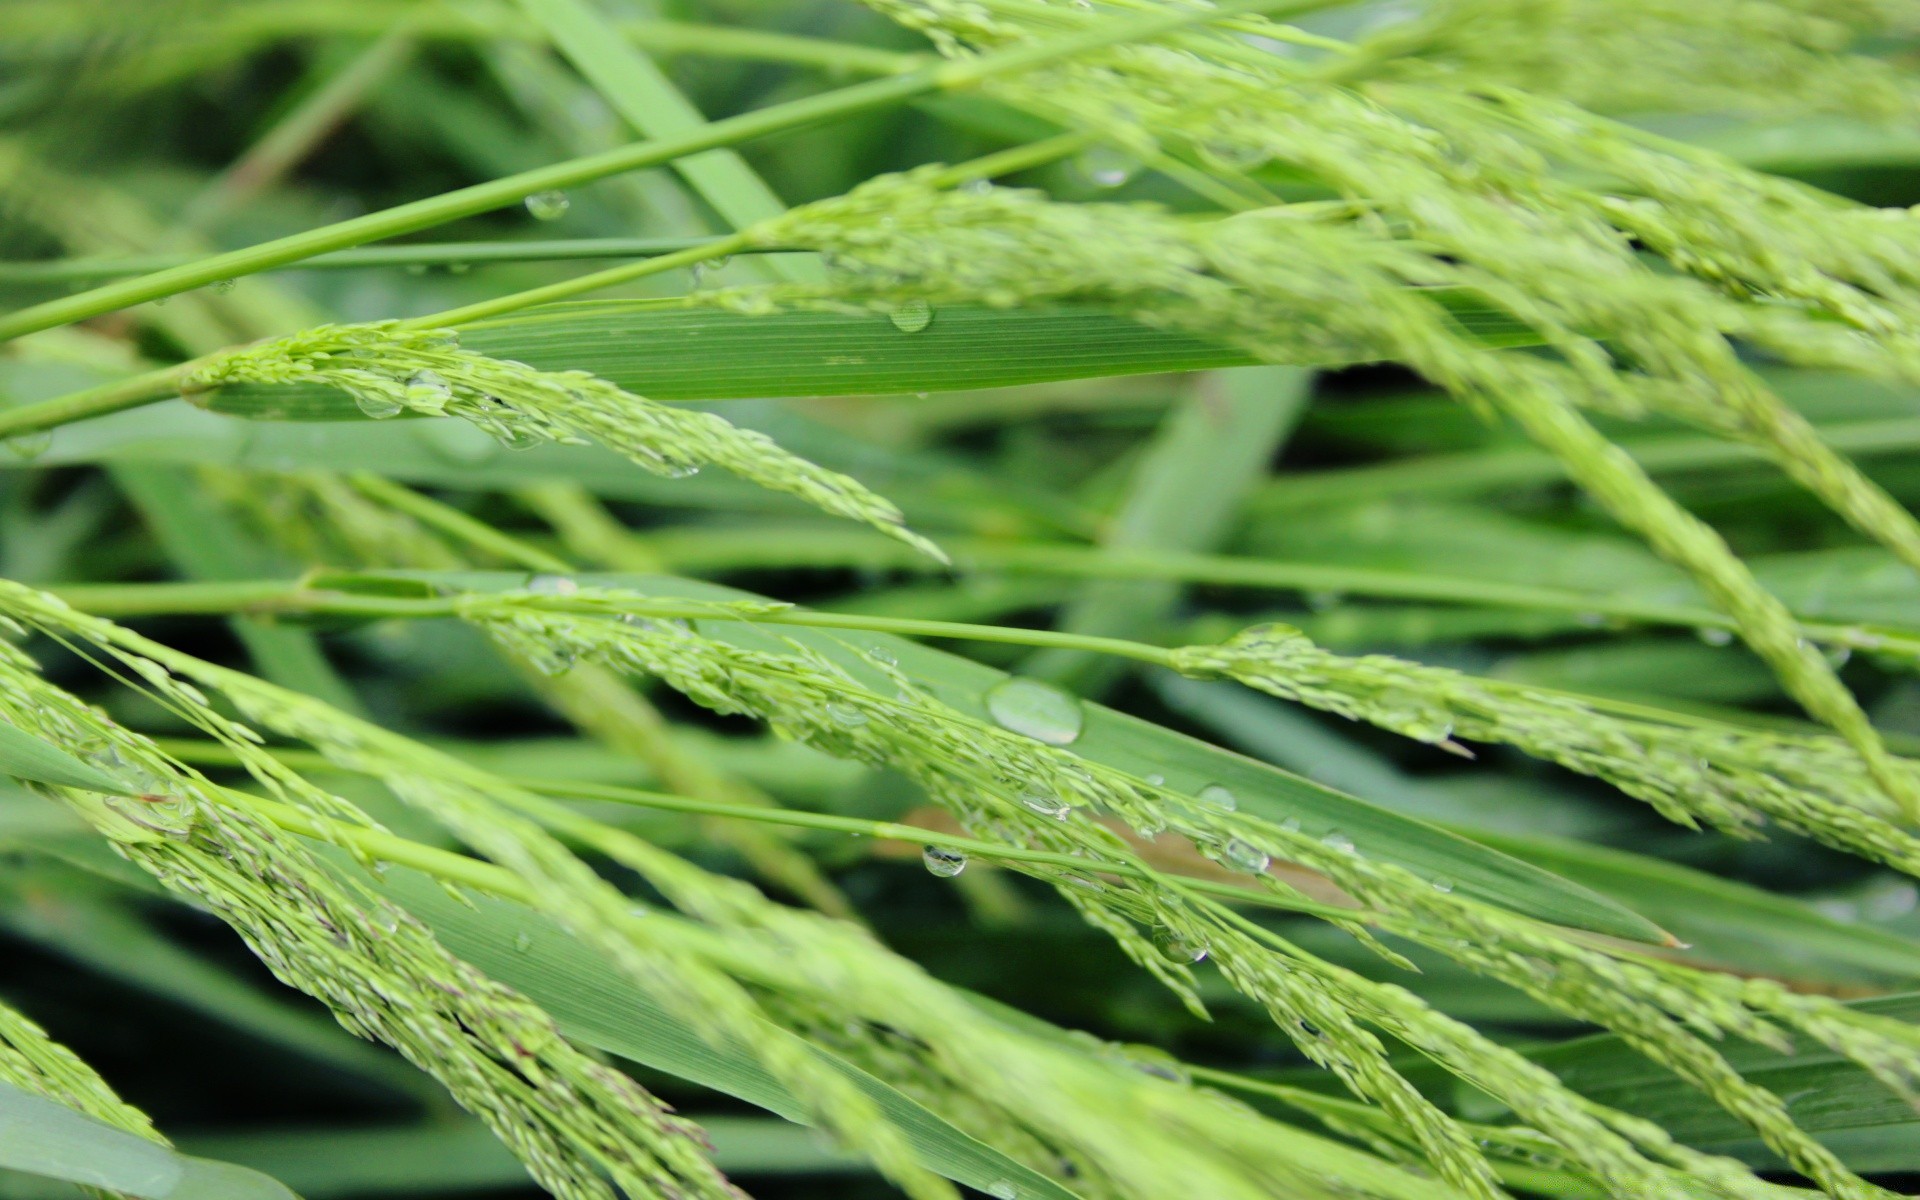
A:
x: 1143, y: 748
x: 464, y: 1156
x: 597, y: 1005
x: 41, y: 1137
x: 668, y: 351
x: 24, y: 756
x: 1726, y: 925
x: 1869, y: 1125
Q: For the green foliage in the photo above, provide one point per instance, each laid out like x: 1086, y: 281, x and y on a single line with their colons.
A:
x: 1161, y: 354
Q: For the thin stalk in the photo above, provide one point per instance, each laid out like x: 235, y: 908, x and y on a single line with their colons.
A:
x: 566, y: 289
x: 1480, y: 471
x: 405, y: 254
x: 269, y: 597
x: 403, y: 851
x: 512, y: 189
x: 244, y: 26
x: 381, y: 846
x: 118, y: 396
x: 1004, y: 162
x: 451, y: 521
x: 717, y: 551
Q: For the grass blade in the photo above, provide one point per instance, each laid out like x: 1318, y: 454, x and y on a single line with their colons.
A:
x: 1187, y: 764
x: 41, y: 1137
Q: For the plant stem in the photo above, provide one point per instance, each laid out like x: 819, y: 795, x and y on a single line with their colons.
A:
x: 122, y: 394
x: 268, y: 597
x: 451, y: 521
x: 1004, y: 162
x: 706, y: 251
x: 404, y: 254
x: 275, y: 597
x: 322, y: 18
x: 512, y: 189
x: 461, y: 869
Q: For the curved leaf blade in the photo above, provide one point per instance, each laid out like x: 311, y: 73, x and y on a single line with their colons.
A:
x: 43, y: 1137
x: 595, y: 1004
x: 1142, y: 748
x: 24, y: 756
x: 666, y: 350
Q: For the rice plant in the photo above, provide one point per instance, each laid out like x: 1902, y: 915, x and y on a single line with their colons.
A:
x: 1295, y: 598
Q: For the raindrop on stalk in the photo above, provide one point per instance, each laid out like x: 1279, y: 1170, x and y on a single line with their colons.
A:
x: 846, y: 715
x: 1037, y: 710
x: 1107, y: 167
x: 29, y: 446
x: 377, y: 406
x: 428, y: 391
x: 1247, y: 856
x: 548, y: 206
x: 1046, y: 804
x: 1176, y: 949
x: 943, y: 862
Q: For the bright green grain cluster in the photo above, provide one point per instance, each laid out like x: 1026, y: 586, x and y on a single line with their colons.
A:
x: 390, y: 369
x: 1732, y: 779
x: 572, y: 1121
x: 1016, y: 789
x: 1133, y: 1134
x: 1788, y: 56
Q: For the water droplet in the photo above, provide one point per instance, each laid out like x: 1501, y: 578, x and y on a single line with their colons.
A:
x: 1003, y: 1190
x: 377, y: 405
x: 427, y: 391
x: 884, y: 656
x: 1151, y: 1060
x: 1046, y: 804
x: 1037, y: 710
x: 1335, y: 840
x: 551, y: 585
x: 1107, y: 167
x: 1713, y: 636
x: 516, y: 439
x: 1291, y: 824
x: 548, y: 206
x: 1176, y: 949
x: 911, y: 316
x: 1219, y: 796
x: 1441, y: 884
x: 1247, y: 856
x: 523, y: 942
x: 221, y: 287
x: 943, y: 862
x: 1234, y: 156
x: 847, y: 715
x: 29, y: 446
